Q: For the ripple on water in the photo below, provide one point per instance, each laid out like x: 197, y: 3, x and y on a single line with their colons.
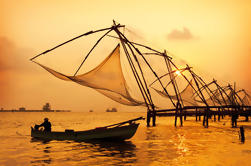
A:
x: 161, y: 145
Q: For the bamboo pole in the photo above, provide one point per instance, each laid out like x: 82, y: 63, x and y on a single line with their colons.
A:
x: 144, y: 92
x: 85, y: 34
x: 188, y: 68
x: 178, y: 110
x: 140, y: 85
x: 205, y: 118
x: 158, y: 52
x: 155, y: 74
x: 92, y: 50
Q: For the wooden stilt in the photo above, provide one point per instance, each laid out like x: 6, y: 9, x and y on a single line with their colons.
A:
x: 207, y: 116
x: 185, y: 115
x: 154, y: 118
x: 181, y: 114
x: 199, y: 111
x: 219, y: 112
x: 181, y: 120
x: 196, y: 114
x: 246, y: 118
x: 148, y: 118
x: 204, y: 118
x: 176, y: 115
x: 242, y: 134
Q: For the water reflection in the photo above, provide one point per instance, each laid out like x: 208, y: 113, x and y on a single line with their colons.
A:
x: 45, y: 158
x: 164, y: 145
x: 156, y: 148
x: 152, y: 134
x: 181, y: 146
x: 109, y: 149
x: 35, y: 140
x: 91, y: 153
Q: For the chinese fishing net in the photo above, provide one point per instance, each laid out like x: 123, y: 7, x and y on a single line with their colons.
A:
x: 107, y: 78
x: 187, y: 95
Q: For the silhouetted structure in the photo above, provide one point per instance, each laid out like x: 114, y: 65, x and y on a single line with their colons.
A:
x: 45, y: 108
x: 197, y: 99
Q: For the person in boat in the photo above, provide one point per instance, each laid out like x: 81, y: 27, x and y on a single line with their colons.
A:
x: 46, y: 124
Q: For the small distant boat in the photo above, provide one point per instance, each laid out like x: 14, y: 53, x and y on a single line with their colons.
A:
x: 112, y: 110
x: 116, y: 132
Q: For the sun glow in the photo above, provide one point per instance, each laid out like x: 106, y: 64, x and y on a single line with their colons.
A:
x: 178, y: 73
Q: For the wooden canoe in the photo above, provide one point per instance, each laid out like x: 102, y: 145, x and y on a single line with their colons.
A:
x: 116, y: 132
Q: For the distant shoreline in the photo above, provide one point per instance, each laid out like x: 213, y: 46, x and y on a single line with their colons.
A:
x: 35, y: 111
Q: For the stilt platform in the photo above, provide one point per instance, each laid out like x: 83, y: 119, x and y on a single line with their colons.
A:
x: 215, y: 112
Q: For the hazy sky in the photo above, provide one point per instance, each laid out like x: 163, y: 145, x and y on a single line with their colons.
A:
x: 213, y: 36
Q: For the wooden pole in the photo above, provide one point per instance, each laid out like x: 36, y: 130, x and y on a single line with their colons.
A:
x: 148, y: 118
x: 85, y: 34
x: 205, y: 87
x: 196, y: 114
x: 153, y: 113
x: 220, y: 91
x: 205, y: 118
x: 189, y: 69
x: 143, y: 77
x: 156, y: 52
x: 246, y: 117
x: 179, y: 109
x: 181, y: 117
x: 137, y: 78
x: 154, y: 118
x: 219, y: 114
x: 242, y: 134
x: 144, y: 88
x: 92, y: 50
x: 155, y: 74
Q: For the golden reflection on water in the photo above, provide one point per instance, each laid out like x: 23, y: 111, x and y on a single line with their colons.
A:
x: 182, y: 148
x: 90, y: 153
x: 161, y: 145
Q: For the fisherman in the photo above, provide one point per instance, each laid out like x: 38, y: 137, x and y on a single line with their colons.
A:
x: 46, y: 124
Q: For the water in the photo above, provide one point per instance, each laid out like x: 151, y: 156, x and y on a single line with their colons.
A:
x: 161, y: 145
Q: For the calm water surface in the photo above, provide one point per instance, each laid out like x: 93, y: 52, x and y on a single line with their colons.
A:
x: 161, y: 145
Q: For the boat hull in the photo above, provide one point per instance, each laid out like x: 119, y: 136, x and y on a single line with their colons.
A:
x: 118, y: 133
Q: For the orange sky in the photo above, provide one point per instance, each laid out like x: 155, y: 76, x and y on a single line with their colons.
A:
x: 210, y: 35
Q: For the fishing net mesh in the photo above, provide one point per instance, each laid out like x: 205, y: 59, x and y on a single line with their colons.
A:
x: 186, y: 95
x: 245, y: 100
x: 107, y: 78
x: 217, y: 98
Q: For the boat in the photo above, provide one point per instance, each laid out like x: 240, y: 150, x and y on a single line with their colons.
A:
x: 112, y: 110
x: 116, y: 132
